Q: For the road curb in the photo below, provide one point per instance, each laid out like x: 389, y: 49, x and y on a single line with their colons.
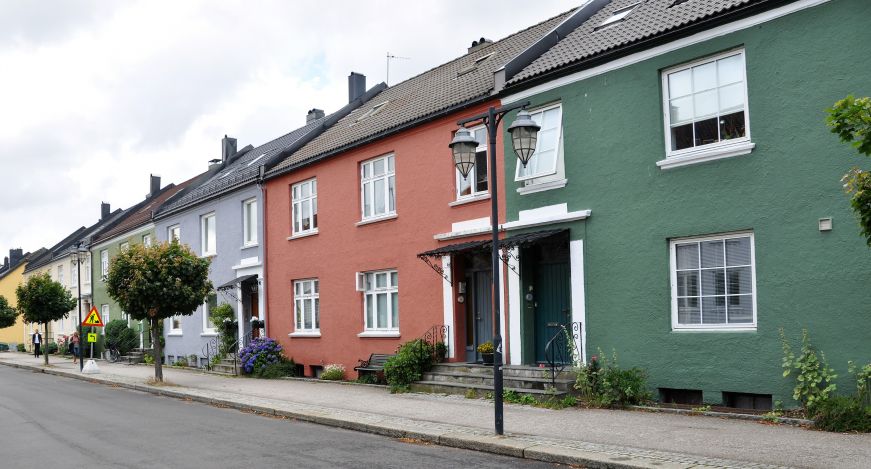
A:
x: 508, y: 445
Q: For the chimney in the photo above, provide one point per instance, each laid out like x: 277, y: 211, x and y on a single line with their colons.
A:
x: 228, y: 148
x: 314, y: 115
x: 5, y: 264
x: 480, y: 43
x: 154, y: 187
x: 15, y: 255
x: 104, y: 210
x: 356, y: 85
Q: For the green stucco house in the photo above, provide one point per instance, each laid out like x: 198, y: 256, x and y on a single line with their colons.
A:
x: 686, y: 192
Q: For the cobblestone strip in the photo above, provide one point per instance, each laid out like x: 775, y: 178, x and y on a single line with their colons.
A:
x: 512, y: 444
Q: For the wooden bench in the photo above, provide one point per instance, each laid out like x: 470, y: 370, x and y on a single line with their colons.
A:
x: 374, y: 365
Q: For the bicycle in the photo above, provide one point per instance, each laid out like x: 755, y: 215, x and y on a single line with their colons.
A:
x: 112, y: 354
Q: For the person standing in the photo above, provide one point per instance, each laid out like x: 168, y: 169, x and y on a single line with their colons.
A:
x: 74, y: 345
x: 37, y: 342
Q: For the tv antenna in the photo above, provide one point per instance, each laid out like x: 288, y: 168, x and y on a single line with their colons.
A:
x: 391, y: 56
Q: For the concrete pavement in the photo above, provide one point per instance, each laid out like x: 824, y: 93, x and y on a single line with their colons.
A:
x: 599, y: 438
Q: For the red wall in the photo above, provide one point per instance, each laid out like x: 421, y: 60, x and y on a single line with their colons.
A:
x: 425, y: 185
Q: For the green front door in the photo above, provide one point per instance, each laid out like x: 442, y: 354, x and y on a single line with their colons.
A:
x: 553, y: 298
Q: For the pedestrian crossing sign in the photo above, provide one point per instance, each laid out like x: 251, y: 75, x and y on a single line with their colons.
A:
x: 93, y: 319
x: 92, y: 336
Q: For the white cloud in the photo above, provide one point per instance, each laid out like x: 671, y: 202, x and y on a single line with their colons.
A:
x: 97, y: 95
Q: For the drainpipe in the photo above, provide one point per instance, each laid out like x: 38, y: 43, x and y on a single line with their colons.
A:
x: 262, y: 233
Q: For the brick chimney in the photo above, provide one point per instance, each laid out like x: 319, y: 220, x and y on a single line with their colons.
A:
x: 15, y: 255
x: 228, y: 148
x: 479, y: 44
x: 104, y: 210
x: 314, y: 115
x: 356, y: 85
x: 154, y: 185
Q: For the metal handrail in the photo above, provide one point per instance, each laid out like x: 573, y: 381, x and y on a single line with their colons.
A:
x: 562, y: 349
x: 237, y: 346
x: 435, y: 334
x: 211, y: 349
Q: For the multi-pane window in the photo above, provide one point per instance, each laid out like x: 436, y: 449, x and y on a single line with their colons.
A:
x: 74, y: 275
x: 381, y: 300
x: 60, y: 275
x: 476, y: 182
x: 307, y: 308
x: 104, y: 263
x: 706, y: 102
x: 104, y: 313
x: 378, y: 187
x: 146, y: 240
x: 544, y: 161
x: 175, y: 324
x: 87, y: 270
x: 209, y: 308
x: 249, y: 222
x: 209, y: 234
x: 124, y: 246
x: 305, y: 206
x: 173, y: 233
x: 713, y: 282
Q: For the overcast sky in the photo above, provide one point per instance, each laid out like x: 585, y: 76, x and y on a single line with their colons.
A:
x: 95, y: 95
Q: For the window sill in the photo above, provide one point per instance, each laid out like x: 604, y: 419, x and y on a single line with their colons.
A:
x: 305, y: 334
x: 542, y: 186
x: 208, y: 255
x: 304, y: 234
x: 748, y: 328
x: 174, y: 334
x: 707, y: 154
x: 369, y: 221
x: 470, y: 199
x: 208, y: 334
x: 379, y: 334
x: 248, y: 246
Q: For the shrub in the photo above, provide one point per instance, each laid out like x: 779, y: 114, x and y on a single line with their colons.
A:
x: 333, y: 372
x: 51, y: 348
x: 368, y: 378
x: 863, y: 380
x: 193, y: 360
x: 441, y: 351
x: 407, y: 366
x: 121, y: 336
x: 261, y: 352
x: 814, y: 378
x: 842, y: 414
x: 21, y: 348
x: 605, y: 384
x: 224, y: 319
x: 281, y: 369
x: 149, y: 359
x: 181, y: 361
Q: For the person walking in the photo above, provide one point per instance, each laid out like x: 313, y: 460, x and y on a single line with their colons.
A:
x: 74, y: 346
x: 36, y: 339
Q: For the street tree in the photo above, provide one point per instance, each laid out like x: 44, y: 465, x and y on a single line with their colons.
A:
x: 8, y: 314
x: 42, y: 300
x: 850, y: 119
x: 158, y: 282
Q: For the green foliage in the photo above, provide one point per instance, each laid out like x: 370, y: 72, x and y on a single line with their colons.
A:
x: 842, y: 414
x: 224, y: 319
x: 412, y: 359
x: 282, y: 369
x: 157, y: 282
x: 814, y: 378
x: 512, y: 397
x: 850, y: 119
x: 42, y: 300
x: 148, y: 358
x: 367, y: 378
x: 8, y: 314
x: 471, y: 393
x: 51, y: 348
x: 121, y: 336
x: 181, y: 362
x: 863, y: 380
x: 441, y: 351
x: 333, y: 372
x: 21, y: 348
x: 486, y: 347
x: 604, y: 384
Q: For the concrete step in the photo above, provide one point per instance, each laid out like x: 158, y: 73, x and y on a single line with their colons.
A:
x: 518, y: 382
x: 223, y: 368
x: 518, y: 371
x: 214, y: 371
x: 438, y: 387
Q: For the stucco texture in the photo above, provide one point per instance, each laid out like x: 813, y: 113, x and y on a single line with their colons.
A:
x: 15, y: 334
x: 796, y: 67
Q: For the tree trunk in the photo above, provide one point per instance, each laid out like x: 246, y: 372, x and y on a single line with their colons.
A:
x: 44, y: 344
x: 158, y: 352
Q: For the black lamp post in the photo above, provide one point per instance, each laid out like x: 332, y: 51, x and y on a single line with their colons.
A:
x: 79, y: 252
x: 524, y: 133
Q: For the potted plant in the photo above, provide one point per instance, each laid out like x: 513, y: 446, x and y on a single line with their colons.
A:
x: 487, y: 350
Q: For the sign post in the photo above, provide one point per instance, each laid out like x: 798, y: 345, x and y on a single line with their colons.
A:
x: 93, y: 320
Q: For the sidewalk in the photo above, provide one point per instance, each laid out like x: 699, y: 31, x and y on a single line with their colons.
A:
x: 593, y: 438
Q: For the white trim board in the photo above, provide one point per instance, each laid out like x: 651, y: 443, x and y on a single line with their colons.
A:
x: 448, y: 302
x: 125, y: 234
x: 637, y: 57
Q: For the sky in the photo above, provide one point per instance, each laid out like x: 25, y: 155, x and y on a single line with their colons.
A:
x: 97, y: 95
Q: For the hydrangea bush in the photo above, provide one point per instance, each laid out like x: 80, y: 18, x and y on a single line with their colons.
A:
x: 333, y: 372
x: 259, y: 354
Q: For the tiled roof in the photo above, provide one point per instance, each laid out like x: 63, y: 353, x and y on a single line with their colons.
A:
x: 649, y: 19
x: 242, y: 170
x: 460, y: 81
x: 26, y: 258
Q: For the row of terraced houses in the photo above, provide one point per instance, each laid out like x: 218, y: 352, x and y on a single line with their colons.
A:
x: 682, y: 205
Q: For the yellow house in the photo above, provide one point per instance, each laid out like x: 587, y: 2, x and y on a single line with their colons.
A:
x: 11, y: 275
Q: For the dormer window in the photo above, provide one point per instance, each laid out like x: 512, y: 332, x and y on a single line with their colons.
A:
x: 618, y: 15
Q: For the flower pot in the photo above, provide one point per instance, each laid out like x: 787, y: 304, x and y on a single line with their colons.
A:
x: 488, y: 358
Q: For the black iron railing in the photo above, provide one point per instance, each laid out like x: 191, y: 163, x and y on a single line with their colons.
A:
x: 212, y: 349
x: 237, y: 346
x: 436, y: 335
x: 563, y: 349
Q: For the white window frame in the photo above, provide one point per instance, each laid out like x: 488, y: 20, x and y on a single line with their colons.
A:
x: 124, y: 246
x: 249, y: 222
x: 458, y: 180
x: 370, y: 290
x: 726, y: 327
x: 559, y: 153
x: 146, y: 240
x: 74, y: 275
x: 205, y: 248
x: 60, y: 275
x: 173, y: 330
x: 297, y: 203
x: 173, y: 232
x: 87, y: 270
x: 104, y: 264
x: 208, y: 328
x: 369, y: 182
x: 710, y: 151
x: 299, y: 299
x: 105, y: 316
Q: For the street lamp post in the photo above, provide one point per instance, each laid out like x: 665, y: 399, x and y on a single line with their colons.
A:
x: 524, y: 132
x: 79, y: 251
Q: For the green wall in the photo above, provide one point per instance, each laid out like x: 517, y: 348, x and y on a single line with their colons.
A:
x: 613, y: 135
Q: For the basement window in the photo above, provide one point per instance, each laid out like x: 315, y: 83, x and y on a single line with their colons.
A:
x: 618, y: 15
x: 680, y: 396
x: 744, y: 400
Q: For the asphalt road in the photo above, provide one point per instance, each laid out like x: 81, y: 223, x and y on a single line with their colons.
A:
x: 49, y: 421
